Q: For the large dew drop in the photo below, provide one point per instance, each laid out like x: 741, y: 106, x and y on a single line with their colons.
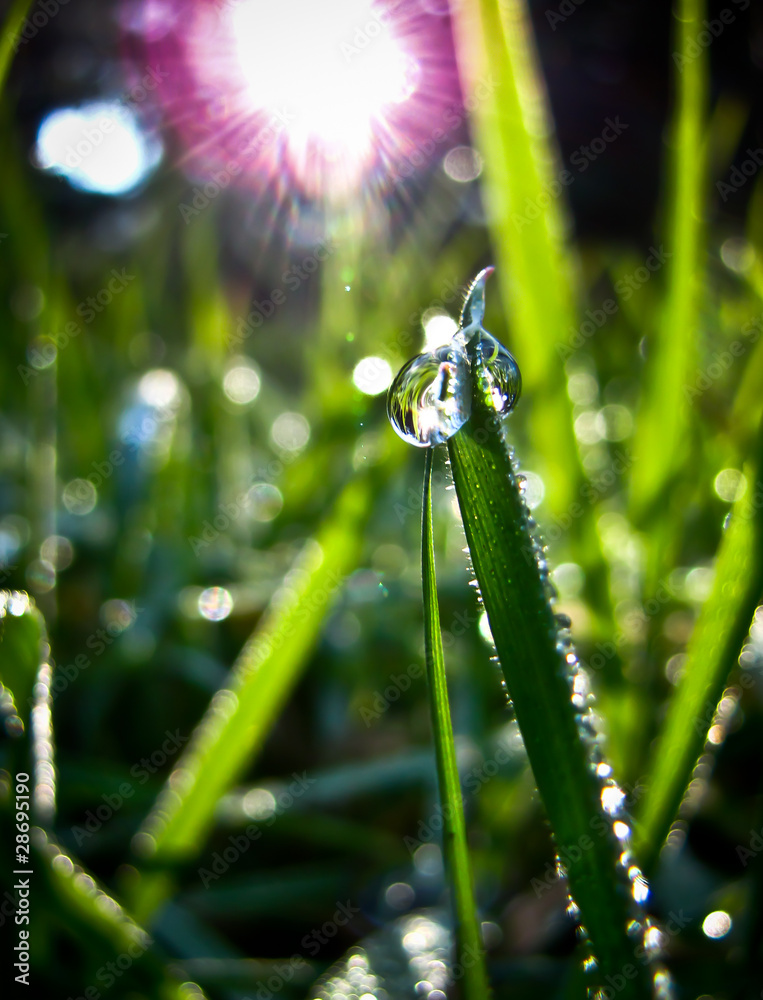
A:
x: 430, y: 397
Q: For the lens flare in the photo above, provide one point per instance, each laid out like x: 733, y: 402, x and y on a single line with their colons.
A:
x: 325, y: 101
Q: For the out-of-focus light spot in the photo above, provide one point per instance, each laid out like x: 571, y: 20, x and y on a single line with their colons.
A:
x: 118, y: 615
x: 58, y: 551
x: 79, y: 496
x: 364, y: 586
x: 330, y: 92
x: 614, y: 422
x: 62, y: 865
x: 439, y: 328
x: 621, y: 830
x: 492, y: 935
x: 27, y: 302
x: 259, y: 804
x: 716, y: 924
x: 372, y: 376
x: 427, y: 860
x: 568, y: 578
x: 588, y: 428
x: 160, y: 388
x: 241, y: 383
x: 533, y: 489
x: 290, y: 431
x: 484, y: 629
x: 612, y: 799
x: 99, y: 147
x: 699, y: 583
x: 399, y: 896
x: 675, y: 667
x: 41, y: 576
x: 640, y: 888
x: 266, y: 501
x: 716, y: 735
x: 737, y: 254
x: 41, y: 352
x: 215, y: 603
x: 389, y: 559
x: 730, y: 484
x: 462, y: 164
x: 343, y: 630
x: 582, y: 388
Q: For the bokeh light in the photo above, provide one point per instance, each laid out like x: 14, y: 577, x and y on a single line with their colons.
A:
x: 372, y: 376
x: 716, y: 924
x: 99, y: 147
x: 215, y: 604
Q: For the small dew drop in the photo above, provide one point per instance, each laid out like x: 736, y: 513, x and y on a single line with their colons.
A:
x: 612, y: 799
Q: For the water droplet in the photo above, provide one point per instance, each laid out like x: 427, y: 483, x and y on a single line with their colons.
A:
x: 500, y: 373
x: 429, y: 400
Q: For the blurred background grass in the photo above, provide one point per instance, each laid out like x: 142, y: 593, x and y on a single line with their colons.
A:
x: 240, y: 473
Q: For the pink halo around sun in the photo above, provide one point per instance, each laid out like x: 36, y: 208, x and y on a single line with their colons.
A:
x: 325, y: 100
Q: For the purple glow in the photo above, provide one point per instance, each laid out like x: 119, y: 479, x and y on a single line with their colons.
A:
x: 327, y: 100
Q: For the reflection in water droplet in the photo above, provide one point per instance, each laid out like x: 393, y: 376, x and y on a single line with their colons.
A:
x: 500, y: 373
x: 428, y: 400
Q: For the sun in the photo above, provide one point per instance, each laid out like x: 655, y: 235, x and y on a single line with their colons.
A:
x: 330, y: 101
x: 331, y: 81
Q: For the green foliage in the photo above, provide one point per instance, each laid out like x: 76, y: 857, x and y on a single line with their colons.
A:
x: 469, y: 952
x: 308, y: 781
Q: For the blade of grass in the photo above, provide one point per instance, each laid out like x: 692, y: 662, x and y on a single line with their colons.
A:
x: 76, y: 900
x: 659, y: 442
x: 713, y: 652
x: 513, y: 129
x: 470, y: 954
x: 241, y: 715
x: 540, y: 677
x: 11, y: 30
x: 512, y: 123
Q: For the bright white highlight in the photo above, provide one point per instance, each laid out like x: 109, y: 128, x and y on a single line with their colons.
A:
x: 99, y: 147
x: 372, y: 376
x: 716, y: 924
x: 327, y: 71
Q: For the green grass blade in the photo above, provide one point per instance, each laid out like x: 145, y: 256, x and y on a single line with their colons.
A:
x: 512, y: 124
x: 660, y: 438
x: 240, y: 716
x: 713, y: 652
x: 469, y: 941
x: 69, y: 892
x: 539, y: 680
x: 11, y: 29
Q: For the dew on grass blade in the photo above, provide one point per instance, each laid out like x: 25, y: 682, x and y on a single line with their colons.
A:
x: 500, y: 372
x: 428, y: 400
